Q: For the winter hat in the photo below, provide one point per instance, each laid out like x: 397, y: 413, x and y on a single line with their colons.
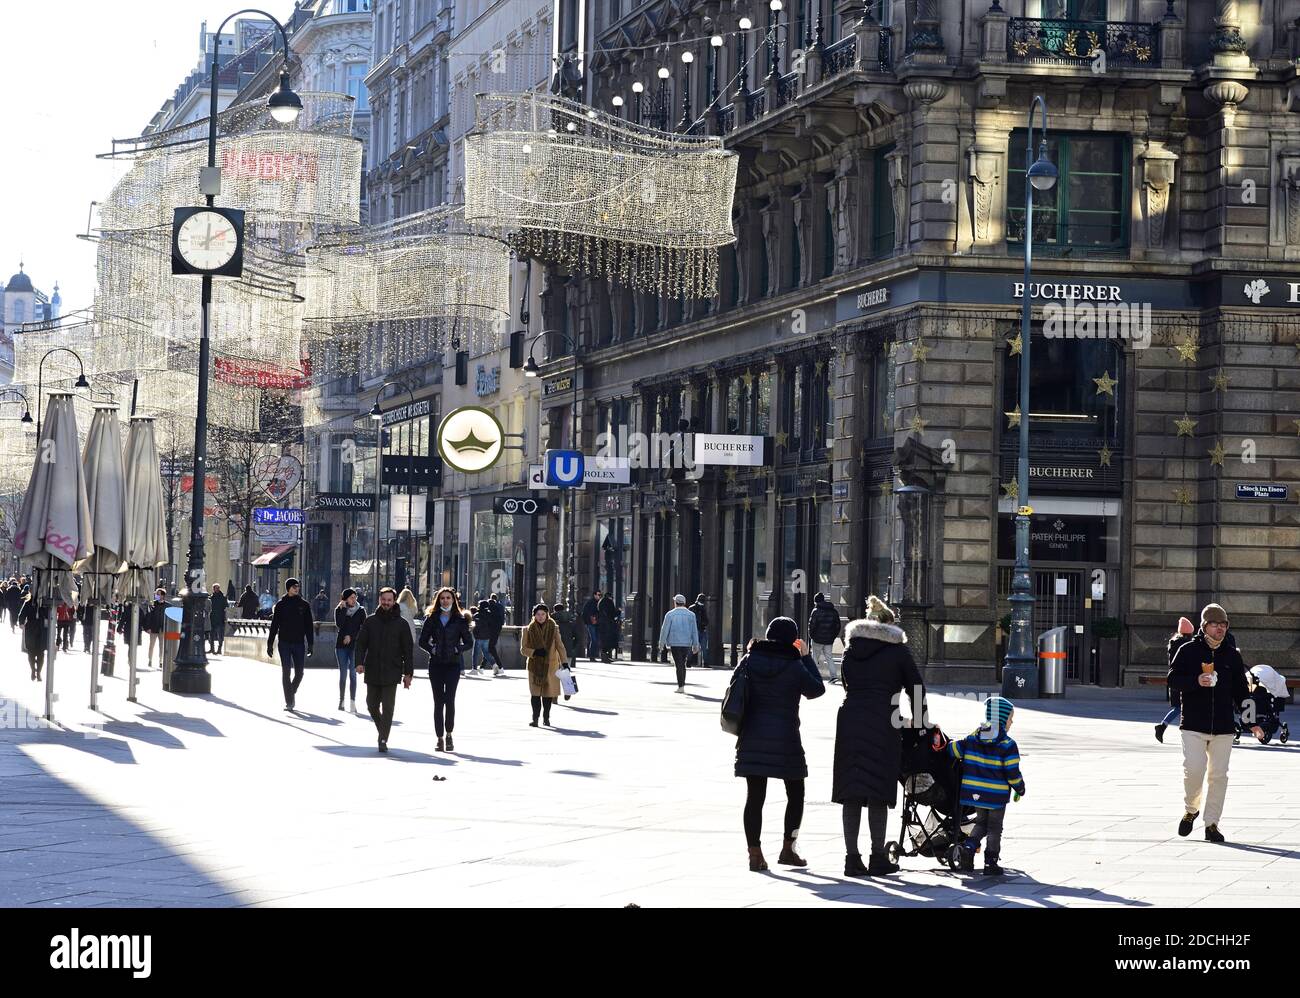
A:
x: 819, y: 598
x: 349, y: 592
x: 783, y: 631
x: 541, y: 606
x: 290, y: 583
x: 1213, y: 614
x: 878, y: 611
x: 998, y: 710
x: 679, y: 600
x: 1185, y: 626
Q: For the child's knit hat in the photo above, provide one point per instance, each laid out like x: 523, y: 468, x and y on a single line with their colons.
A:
x: 998, y: 711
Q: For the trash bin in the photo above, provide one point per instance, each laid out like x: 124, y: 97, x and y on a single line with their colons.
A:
x: 171, y: 642
x: 1051, y: 662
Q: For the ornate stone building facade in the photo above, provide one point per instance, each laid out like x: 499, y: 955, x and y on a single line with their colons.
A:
x: 867, y: 321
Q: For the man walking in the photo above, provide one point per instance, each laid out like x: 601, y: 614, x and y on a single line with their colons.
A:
x: 219, y: 605
x: 823, y: 629
x: 680, y: 636
x: 701, y: 611
x: 1210, y: 677
x: 248, y: 603
x: 498, y: 621
x: 590, y: 614
x: 384, y: 657
x: 291, y: 622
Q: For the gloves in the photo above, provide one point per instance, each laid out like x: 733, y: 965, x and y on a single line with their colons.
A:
x: 268, y: 650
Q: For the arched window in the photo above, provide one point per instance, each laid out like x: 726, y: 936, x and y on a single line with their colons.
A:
x: 1074, y: 389
x: 20, y: 311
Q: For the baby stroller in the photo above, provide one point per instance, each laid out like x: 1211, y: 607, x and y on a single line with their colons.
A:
x: 1269, y: 696
x: 934, y: 823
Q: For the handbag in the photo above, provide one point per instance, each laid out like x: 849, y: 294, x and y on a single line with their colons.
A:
x: 733, y: 702
x: 567, y: 683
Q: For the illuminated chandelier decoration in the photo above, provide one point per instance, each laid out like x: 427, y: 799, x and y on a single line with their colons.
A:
x: 426, y: 277
x: 596, y: 194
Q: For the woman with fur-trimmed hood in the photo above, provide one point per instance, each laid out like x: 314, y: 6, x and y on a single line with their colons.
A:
x: 877, y: 668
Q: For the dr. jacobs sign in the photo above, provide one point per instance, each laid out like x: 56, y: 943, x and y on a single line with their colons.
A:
x: 470, y: 439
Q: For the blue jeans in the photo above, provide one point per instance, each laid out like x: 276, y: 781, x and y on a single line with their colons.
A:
x: 483, y: 653
x: 295, y: 656
x: 1172, y: 716
x: 593, y: 642
x: 704, y: 646
x: 347, y: 667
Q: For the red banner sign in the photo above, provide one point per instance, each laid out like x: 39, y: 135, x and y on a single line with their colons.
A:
x: 269, y: 165
x: 245, y: 374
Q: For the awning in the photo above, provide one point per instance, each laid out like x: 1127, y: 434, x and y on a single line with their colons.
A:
x: 275, y: 557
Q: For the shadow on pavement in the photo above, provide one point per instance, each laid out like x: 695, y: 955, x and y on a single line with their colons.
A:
x: 194, y: 725
x: 701, y: 696
x: 394, y: 752
x: 281, y: 719
x: 487, y: 759
x: 588, y: 710
x: 576, y: 772
x: 144, y: 733
x: 303, y: 715
x: 576, y: 731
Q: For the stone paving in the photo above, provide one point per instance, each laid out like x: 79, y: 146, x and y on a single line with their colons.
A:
x: 228, y: 800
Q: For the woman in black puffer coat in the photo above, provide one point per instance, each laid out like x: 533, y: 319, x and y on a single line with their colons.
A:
x: 778, y: 674
x: 445, y: 635
x: 877, y: 667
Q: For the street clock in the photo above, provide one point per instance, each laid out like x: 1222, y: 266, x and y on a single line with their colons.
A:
x: 208, y: 242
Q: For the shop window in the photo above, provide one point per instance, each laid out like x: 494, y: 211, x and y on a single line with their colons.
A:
x: 881, y: 401
x: 1086, y: 210
x: 1064, y: 401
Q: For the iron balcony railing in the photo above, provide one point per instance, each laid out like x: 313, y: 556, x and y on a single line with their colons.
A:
x: 840, y: 57
x: 1057, y: 41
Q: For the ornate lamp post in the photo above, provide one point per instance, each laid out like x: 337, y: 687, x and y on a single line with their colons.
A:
x: 531, y: 370
x: 377, y: 414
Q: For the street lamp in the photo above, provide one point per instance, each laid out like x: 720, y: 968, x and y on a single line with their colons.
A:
x: 684, y: 125
x: 191, y: 672
x: 532, y: 370
x: 81, y: 381
x: 27, y: 407
x: 1020, y: 674
x: 745, y: 24
x: 377, y: 414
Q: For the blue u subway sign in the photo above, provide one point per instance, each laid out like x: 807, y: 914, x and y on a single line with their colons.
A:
x: 1255, y: 490
x: 564, y: 469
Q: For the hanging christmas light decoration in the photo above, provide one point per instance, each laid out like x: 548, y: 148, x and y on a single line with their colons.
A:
x: 596, y: 194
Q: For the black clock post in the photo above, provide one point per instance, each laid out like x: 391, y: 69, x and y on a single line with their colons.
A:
x: 191, y: 670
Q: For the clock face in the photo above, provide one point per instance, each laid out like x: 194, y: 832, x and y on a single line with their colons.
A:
x: 207, y: 240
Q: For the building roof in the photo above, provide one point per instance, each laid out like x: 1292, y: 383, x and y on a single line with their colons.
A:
x: 19, y: 282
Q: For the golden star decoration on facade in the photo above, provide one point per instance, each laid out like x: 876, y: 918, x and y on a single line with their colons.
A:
x: 747, y: 378
x: 1105, y: 384
x: 1011, y: 489
x: 1103, y: 456
x: 1297, y: 426
x: 1187, y: 349
x: 731, y: 476
x: 748, y: 504
x: 1185, y: 425
x: 1183, y: 496
x: 1016, y: 344
x: 917, y: 425
x: 1220, y: 381
x: 920, y: 351
x: 782, y: 437
x: 1216, y: 454
x: 1013, y: 417
x: 886, y: 487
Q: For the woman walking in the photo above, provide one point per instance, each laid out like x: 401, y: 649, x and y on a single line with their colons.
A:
x: 778, y: 673
x: 36, y: 630
x: 445, y: 636
x: 868, y: 739
x: 1186, y: 631
x: 544, y: 652
x: 349, y: 615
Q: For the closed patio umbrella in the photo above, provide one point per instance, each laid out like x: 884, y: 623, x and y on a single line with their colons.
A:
x: 144, y: 536
x: 106, y: 496
x: 53, y: 530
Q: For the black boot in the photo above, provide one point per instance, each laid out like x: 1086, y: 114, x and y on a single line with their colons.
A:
x: 879, y: 865
x: 1160, y: 733
x: 788, y: 856
x: 853, y: 865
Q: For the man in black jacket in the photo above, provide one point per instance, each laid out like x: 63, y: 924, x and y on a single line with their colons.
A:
x: 384, y: 657
x: 823, y: 629
x: 701, y: 611
x: 493, y: 633
x: 1210, y: 677
x: 291, y: 622
x: 590, y: 615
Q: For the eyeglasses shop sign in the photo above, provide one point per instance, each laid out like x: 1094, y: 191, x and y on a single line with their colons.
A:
x: 729, y: 449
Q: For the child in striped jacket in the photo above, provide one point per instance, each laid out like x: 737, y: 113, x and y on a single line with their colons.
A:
x: 990, y: 772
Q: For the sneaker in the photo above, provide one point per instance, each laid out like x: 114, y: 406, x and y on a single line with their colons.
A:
x: 1160, y: 733
x: 1185, y: 826
x: 498, y: 671
x: 991, y: 868
x: 1212, y: 834
x: 383, y: 745
x: 354, y: 706
x: 681, y: 689
x: 451, y: 746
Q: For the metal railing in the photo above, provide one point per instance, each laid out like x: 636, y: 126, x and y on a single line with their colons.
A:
x: 1053, y: 40
x: 787, y: 89
x: 840, y: 57
x: 755, y: 104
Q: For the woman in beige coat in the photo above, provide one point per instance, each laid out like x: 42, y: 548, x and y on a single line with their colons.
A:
x: 543, y: 650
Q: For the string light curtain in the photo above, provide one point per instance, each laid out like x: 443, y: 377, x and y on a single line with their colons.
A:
x: 599, y: 195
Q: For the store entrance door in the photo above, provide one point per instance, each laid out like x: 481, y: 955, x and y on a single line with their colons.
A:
x: 1058, y: 602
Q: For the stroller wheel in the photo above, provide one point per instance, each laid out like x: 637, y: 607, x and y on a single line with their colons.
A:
x: 953, y: 858
x: 892, y: 851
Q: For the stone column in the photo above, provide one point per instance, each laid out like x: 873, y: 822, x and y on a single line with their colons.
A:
x: 1157, y: 183
x: 1227, y: 43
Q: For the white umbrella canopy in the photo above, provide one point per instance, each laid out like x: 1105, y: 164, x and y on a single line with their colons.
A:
x: 144, y: 538
x: 106, y: 496
x: 53, y: 530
